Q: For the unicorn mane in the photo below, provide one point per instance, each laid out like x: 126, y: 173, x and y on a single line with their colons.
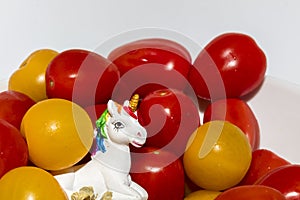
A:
x: 101, y: 133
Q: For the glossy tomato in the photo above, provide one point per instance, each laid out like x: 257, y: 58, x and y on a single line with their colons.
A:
x: 13, y: 106
x: 30, y: 77
x: 170, y: 117
x: 13, y: 148
x: 30, y: 183
x: 159, y: 172
x: 149, y: 64
x: 238, y: 112
x: 231, y: 65
x: 263, y: 161
x: 251, y: 192
x: 217, y: 156
x: 81, y: 76
x: 286, y: 179
x: 155, y: 43
x: 59, y: 133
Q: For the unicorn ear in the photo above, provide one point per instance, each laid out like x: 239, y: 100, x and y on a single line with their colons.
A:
x: 125, y: 105
x: 113, y: 108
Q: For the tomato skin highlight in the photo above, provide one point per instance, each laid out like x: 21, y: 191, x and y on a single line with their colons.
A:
x: 231, y: 65
x: 13, y: 148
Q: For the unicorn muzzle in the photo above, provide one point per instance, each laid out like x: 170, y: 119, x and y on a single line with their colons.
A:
x: 137, y: 144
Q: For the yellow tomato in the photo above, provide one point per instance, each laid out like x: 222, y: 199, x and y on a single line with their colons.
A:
x: 30, y: 183
x: 59, y: 133
x: 218, y: 155
x: 30, y: 77
x: 203, y: 195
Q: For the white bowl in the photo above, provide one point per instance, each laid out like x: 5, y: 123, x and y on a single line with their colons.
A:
x: 276, y: 106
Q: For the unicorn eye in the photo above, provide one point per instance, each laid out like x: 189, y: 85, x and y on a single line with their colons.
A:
x: 118, y: 125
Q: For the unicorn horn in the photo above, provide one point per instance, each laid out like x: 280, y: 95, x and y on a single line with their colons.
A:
x: 133, y: 103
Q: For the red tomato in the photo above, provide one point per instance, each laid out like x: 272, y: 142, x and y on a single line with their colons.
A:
x: 13, y: 106
x: 251, y: 192
x: 156, y: 43
x: 151, y: 64
x: 170, y: 117
x: 13, y: 148
x: 286, y: 179
x: 237, y: 112
x: 263, y: 161
x: 231, y: 65
x: 159, y: 172
x: 95, y: 111
x: 81, y: 76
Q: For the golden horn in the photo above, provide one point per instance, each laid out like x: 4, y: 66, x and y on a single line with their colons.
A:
x: 133, y: 103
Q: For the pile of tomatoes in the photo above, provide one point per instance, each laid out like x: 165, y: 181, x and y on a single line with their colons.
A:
x: 47, y: 118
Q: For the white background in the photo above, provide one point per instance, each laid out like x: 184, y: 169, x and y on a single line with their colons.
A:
x: 29, y: 25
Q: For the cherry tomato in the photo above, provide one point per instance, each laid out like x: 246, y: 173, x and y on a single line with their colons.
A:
x: 263, y: 161
x: 159, y: 172
x: 231, y: 65
x: 203, y: 195
x: 13, y: 106
x: 13, y: 148
x: 251, y: 192
x: 170, y: 117
x: 30, y: 77
x: 81, y: 76
x: 59, y: 133
x: 156, y: 43
x: 30, y: 183
x: 238, y: 112
x: 150, y: 64
x: 285, y: 179
x: 218, y: 155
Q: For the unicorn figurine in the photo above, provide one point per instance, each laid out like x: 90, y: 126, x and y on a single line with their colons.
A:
x: 107, y: 173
